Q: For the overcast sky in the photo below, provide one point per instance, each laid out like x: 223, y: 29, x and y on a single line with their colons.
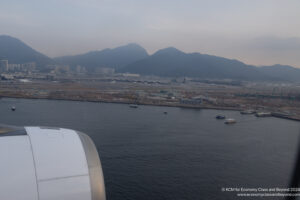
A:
x: 260, y: 32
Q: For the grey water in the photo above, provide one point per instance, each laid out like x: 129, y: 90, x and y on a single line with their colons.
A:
x: 185, y: 154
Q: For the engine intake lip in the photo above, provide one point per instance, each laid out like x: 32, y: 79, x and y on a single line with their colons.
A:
x: 94, y: 167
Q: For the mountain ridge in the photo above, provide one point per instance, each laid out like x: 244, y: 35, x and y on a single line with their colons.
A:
x: 18, y: 52
x: 173, y: 62
x: 114, y: 58
x: 166, y: 62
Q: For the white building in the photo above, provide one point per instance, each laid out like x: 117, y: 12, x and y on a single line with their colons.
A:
x: 3, y: 65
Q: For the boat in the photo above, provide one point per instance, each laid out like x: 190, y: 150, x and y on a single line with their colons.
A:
x: 13, y: 108
x: 263, y: 114
x: 220, y: 117
x: 165, y: 112
x: 230, y: 121
x: 133, y: 106
x: 247, y: 112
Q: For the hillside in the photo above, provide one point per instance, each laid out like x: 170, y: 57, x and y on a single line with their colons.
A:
x: 171, y: 62
x: 16, y: 52
x: 114, y: 58
x: 281, y: 72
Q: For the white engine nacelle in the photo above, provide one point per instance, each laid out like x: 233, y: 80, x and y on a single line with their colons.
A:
x: 42, y: 163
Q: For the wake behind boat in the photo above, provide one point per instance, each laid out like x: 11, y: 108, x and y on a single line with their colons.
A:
x: 247, y: 112
x: 133, y: 106
x: 230, y: 121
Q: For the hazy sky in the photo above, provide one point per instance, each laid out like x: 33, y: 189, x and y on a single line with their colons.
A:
x: 254, y: 31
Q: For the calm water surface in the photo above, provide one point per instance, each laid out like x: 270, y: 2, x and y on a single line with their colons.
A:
x: 186, y: 154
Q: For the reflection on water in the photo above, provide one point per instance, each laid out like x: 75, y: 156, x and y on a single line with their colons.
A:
x: 186, y: 154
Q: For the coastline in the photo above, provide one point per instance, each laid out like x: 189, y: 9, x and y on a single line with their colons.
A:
x: 277, y: 115
x: 127, y: 102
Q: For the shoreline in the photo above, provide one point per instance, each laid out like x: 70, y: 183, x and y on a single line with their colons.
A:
x: 150, y: 104
x: 128, y: 103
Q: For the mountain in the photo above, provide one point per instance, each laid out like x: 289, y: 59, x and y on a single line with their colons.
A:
x: 113, y: 58
x: 17, y: 52
x: 168, y: 62
x: 174, y: 63
x: 281, y: 72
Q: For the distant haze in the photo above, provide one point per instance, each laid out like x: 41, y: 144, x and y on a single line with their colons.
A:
x: 260, y: 32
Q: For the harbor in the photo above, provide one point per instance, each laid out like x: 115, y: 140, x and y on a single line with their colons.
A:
x: 194, y: 145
